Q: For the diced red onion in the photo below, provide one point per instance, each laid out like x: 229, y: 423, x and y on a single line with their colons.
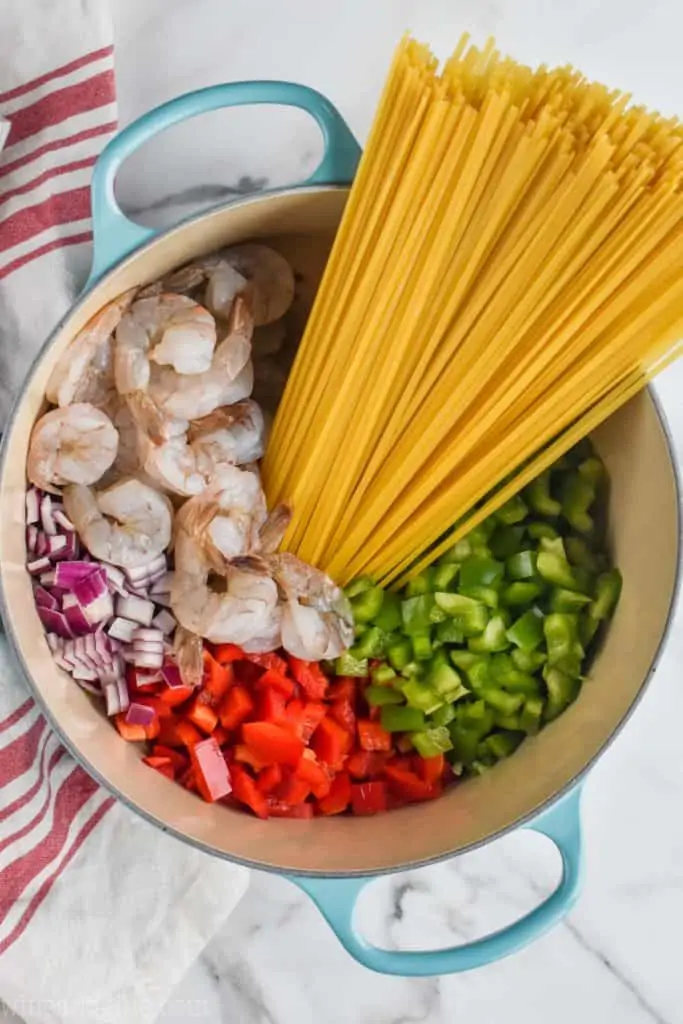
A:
x: 162, y: 599
x: 147, y: 677
x: 39, y: 566
x: 107, y: 647
x: 136, y: 608
x: 45, y: 599
x: 54, y: 642
x: 75, y: 615
x: 46, y: 516
x: 112, y: 697
x: 93, y: 688
x: 32, y: 505
x: 165, y: 622
x: 61, y: 519
x: 81, y: 673
x: 148, y: 659
x: 140, y: 592
x: 162, y: 585
x: 55, y: 622
x: 57, y: 546
x: 116, y: 579
x: 31, y: 539
x: 42, y: 544
x: 93, y: 596
x: 171, y: 675
x: 69, y: 573
x: 139, y: 714
x: 122, y: 629
x: 149, y: 635
x: 145, y: 647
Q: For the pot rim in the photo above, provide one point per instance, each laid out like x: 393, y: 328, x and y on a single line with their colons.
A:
x: 571, y: 784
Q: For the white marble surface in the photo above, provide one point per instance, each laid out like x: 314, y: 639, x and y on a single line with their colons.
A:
x: 616, y: 960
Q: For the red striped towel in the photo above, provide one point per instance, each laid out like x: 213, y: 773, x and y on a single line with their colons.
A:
x: 100, y: 914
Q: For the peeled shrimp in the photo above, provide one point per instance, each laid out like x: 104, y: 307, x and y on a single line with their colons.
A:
x: 188, y: 651
x: 229, y: 379
x: 317, y: 621
x: 84, y: 372
x: 187, y: 464
x: 255, y: 271
x: 128, y: 524
x: 170, y: 330
x: 76, y: 444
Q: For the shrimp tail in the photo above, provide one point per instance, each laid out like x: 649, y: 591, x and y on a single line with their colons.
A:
x: 275, y: 527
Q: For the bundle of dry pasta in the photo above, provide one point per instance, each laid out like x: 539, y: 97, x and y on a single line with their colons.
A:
x: 508, y: 272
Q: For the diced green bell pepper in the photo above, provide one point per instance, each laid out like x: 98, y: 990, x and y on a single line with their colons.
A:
x: 505, y: 541
x: 449, y: 632
x: 422, y: 646
x: 378, y: 696
x: 554, y: 568
x: 513, y: 511
x: 487, y: 595
x: 579, y: 553
x: 389, y: 618
x: 478, y: 571
x: 505, y: 673
x: 567, y: 600
x: 521, y: 566
x: 370, y: 644
x: 416, y: 614
x: 421, y: 584
x: 348, y: 665
x: 607, y: 592
x: 531, y: 715
x: 538, y: 530
x: 577, y: 495
x: 592, y: 470
x: 508, y: 721
x: 443, y: 679
x: 562, y: 690
x: 520, y: 593
x: 432, y: 741
x: 540, y: 500
x: 502, y: 744
x: 443, y: 715
x: 357, y: 586
x: 445, y: 576
x: 501, y: 700
x: 383, y: 675
x: 562, y: 641
x: 528, y: 661
x: 465, y: 743
x: 494, y: 638
x: 367, y: 605
x: 400, y: 654
x: 527, y: 631
x: 461, y: 550
x: 470, y: 616
x: 420, y: 696
x: 401, y: 719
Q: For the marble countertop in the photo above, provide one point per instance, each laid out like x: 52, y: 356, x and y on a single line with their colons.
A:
x: 617, y: 957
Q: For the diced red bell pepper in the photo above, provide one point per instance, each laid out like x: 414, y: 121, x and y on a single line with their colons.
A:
x: 269, y: 778
x: 331, y: 743
x: 369, y: 798
x: 371, y: 735
x: 342, y: 712
x: 187, y: 733
x: 135, y: 733
x: 187, y: 780
x: 224, y: 654
x: 247, y: 673
x: 161, y: 764
x: 210, y: 770
x: 339, y: 796
x: 303, y: 718
x: 293, y: 789
x: 277, y: 681
x: 270, y: 705
x: 216, y: 681
x: 244, y: 789
x: 220, y: 735
x: 237, y: 705
x: 269, y: 660
x: 344, y: 688
x: 202, y: 715
x: 310, y: 677
x: 241, y: 752
x: 172, y: 696
x: 280, y: 809
x: 364, y: 764
x: 176, y: 757
x: 430, y: 769
x: 273, y: 743
x: 409, y: 786
x: 315, y: 774
x: 143, y: 680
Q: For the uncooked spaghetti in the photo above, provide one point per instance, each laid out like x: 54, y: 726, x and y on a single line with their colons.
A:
x: 507, y: 273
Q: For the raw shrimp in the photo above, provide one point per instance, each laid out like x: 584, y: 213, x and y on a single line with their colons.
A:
x: 187, y: 464
x: 229, y: 379
x: 255, y: 271
x: 84, y: 372
x: 76, y: 444
x: 128, y: 524
x: 170, y: 330
x: 226, y: 519
x: 188, y: 651
x: 317, y: 622
x: 246, y: 611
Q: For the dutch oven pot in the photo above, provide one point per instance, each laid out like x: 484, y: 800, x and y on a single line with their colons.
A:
x: 333, y: 858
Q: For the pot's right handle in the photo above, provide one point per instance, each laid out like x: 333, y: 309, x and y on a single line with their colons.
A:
x: 336, y: 899
x: 115, y: 235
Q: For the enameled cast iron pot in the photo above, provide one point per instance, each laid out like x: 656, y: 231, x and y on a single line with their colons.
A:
x: 333, y: 858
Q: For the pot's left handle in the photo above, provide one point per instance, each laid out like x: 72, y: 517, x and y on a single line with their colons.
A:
x: 115, y: 235
x: 336, y: 899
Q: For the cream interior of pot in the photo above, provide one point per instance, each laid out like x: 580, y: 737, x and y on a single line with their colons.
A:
x: 643, y: 537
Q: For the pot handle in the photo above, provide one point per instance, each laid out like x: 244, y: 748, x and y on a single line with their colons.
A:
x: 115, y: 235
x: 336, y: 899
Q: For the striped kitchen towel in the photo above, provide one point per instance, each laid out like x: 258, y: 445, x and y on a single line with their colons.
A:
x: 100, y: 913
